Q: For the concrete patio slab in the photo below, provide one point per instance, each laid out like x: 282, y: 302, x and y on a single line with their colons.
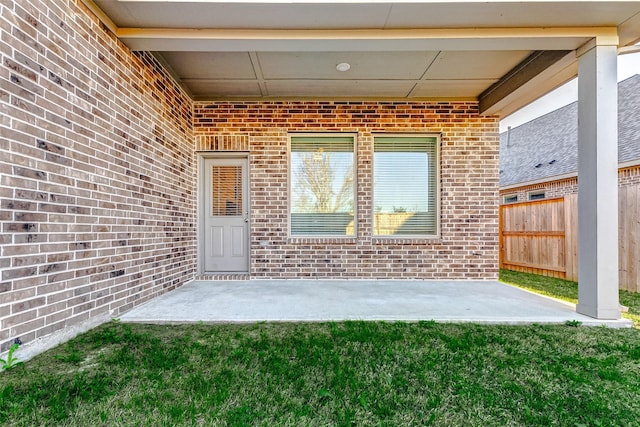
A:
x: 326, y: 300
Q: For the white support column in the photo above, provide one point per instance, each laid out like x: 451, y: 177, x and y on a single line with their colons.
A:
x: 598, y: 181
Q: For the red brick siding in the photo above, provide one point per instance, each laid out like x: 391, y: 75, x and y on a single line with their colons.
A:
x: 96, y: 176
x: 551, y: 189
x: 468, y: 245
x: 629, y: 176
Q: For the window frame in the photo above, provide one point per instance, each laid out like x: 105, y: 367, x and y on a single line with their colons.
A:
x: 508, y: 196
x: 438, y: 184
x: 293, y: 135
x: 532, y: 195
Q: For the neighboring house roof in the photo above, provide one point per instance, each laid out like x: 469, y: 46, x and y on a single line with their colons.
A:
x: 547, y: 147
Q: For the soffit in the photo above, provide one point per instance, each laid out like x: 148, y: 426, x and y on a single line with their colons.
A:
x: 365, y: 14
x: 409, y: 50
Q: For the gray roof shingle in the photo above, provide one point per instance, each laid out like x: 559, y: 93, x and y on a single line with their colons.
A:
x: 548, y: 145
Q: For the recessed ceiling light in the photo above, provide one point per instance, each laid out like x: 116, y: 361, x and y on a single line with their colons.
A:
x: 343, y: 66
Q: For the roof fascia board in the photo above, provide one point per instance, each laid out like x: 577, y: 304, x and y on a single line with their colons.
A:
x: 629, y: 164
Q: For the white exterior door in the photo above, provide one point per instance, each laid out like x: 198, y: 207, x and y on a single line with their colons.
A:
x: 226, y: 215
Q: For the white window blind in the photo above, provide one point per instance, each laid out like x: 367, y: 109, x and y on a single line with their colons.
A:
x: 322, y: 190
x: 405, y: 186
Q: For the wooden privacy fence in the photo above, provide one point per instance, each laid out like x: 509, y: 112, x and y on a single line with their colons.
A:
x: 541, y: 237
x: 535, y: 237
x: 629, y: 233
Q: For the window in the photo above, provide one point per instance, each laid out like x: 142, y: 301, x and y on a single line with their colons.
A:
x: 226, y: 186
x: 405, y: 190
x: 510, y: 198
x: 321, y: 185
x: 536, y: 195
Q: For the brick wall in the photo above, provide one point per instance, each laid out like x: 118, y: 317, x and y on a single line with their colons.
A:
x: 96, y: 174
x: 551, y: 189
x: 558, y: 188
x: 629, y: 176
x: 98, y: 178
x: 468, y: 245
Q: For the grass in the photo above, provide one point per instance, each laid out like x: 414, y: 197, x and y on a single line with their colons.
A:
x: 336, y: 374
x: 330, y: 374
x: 567, y: 291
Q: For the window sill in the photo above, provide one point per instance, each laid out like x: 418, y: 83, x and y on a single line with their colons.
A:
x: 313, y: 240
x: 390, y: 240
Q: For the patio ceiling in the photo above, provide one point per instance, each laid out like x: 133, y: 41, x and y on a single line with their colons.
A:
x: 504, y: 54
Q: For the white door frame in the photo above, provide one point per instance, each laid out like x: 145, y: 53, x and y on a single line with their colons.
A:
x: 202, y: 156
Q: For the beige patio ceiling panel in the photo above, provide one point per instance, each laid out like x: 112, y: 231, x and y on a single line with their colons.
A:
x: 364, y: 65
x: 450, y: 88
x: 284, y: 15
x: 486, y: 14
x: 289, y: 49
x: 377, y: 14
x: 474, y: 65
x: 338, y: 88
x: 223, y: 88
x: 211, y: 65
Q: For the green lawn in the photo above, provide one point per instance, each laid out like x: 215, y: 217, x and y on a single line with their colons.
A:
x: 567, y: 291
x: 330, y: 374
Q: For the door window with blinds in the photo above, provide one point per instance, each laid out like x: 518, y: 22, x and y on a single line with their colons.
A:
x: 227, y: 190
x: 405, y: 191
x: 322, y: 185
